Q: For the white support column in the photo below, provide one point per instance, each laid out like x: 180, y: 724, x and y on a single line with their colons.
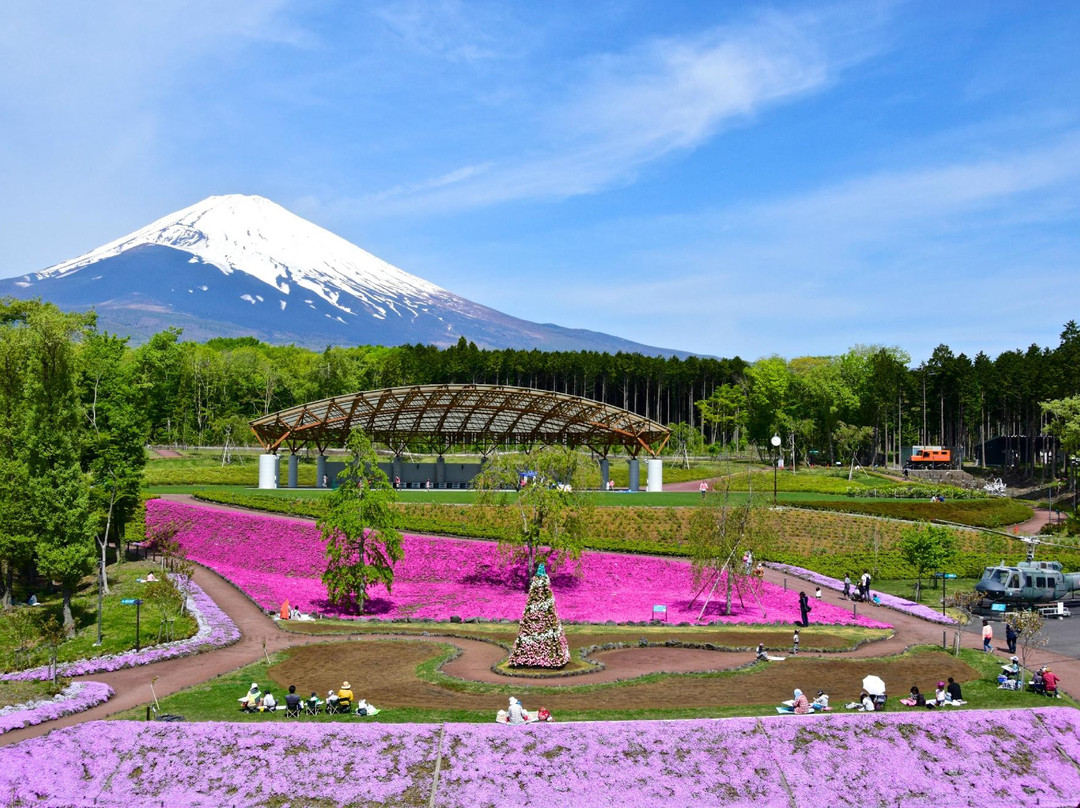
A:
x: 654, y: 468
x: 268, y: 471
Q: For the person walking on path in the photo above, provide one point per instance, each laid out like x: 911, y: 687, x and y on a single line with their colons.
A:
x: 1010, y: 637
x: 795, y: 644
x: 988, y: 636
x: 703, y: 488
x: 847, y: 586
x: 864, y: 585
x: 804, y: 607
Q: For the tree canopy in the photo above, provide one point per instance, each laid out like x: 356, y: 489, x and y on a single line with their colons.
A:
x: 545, y: 488
x: 362, y: 544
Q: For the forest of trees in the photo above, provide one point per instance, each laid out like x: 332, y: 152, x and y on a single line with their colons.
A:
x: 867, y: 399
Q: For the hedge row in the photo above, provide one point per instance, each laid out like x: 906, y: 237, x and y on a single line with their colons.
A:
x: 916, y: 492
x: 977, y: 513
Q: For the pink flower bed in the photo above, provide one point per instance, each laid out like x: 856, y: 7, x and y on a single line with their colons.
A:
x: 274, y: 558
x: 74, y: 698
x: 984, y: 758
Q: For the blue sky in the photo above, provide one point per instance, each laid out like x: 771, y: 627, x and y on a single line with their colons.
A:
x: 721, y: 177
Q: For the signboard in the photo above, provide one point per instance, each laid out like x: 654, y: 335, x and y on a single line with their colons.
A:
x: 130, y: 601
x: 659, y: 611
x: 997, y: 607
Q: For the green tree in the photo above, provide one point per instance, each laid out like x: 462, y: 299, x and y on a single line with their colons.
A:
x: 58, y: 506
x: 926, y: 547
x: 362, y: 544
x: 552, y: 508
x: 721, y: 531
x: 850, y: 440
x: 1065, y: 425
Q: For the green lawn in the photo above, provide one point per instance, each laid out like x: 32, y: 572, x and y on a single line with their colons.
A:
x: 118, y: 620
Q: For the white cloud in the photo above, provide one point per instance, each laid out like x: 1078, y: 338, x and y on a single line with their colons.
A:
x: 618, y: 112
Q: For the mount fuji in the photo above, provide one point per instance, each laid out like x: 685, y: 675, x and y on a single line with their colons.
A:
x: 239, y: 265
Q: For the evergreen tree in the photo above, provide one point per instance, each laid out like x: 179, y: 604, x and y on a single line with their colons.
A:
x: 362, y: 544
x: 541, y: 641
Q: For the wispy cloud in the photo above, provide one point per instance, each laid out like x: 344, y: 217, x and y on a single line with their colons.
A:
x: 889, y: 256
x: 618, y: 112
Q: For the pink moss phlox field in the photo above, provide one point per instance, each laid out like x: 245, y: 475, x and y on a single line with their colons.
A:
x: 215, y: 630
x: 273, y: 558
x: 983, y: 758
x: 889, y: 601
x: 74, y: 698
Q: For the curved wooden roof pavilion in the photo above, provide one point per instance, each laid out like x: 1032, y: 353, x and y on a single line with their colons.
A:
x: 443, y: 415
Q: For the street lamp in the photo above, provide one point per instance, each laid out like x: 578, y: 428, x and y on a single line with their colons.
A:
x: 775, y: 441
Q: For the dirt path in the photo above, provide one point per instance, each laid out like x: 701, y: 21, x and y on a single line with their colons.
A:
x: 258, y: 631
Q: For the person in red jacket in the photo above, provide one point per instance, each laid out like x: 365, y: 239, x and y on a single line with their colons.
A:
x: 1050, y: 679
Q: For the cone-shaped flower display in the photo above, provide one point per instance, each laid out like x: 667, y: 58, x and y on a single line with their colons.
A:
x: 541, y: 641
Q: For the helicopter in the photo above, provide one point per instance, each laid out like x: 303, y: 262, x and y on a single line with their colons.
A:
x: 1030, y: 581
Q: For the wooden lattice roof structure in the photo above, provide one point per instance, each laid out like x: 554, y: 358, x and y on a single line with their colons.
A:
x: 443, y: 415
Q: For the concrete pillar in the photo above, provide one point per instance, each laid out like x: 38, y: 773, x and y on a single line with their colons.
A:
x: 320, y: 471
x: 654, y: 474
x: 440, y: 471
x: 605, y: 472
x: 635, y: 474
x: 395, y: 471
x: 294, y: 471
x: 268, y: 471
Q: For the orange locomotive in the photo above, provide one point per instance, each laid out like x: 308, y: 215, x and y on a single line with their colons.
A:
x: 930, y: 457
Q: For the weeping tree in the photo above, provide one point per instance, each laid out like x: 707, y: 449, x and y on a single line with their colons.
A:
x: 362, y: 544
x: 545, y: 489
x: 722, y: 528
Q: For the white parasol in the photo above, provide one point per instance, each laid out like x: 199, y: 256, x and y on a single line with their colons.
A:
x: 873, y: 685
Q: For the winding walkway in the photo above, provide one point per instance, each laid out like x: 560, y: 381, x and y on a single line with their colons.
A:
x: 261, y: 634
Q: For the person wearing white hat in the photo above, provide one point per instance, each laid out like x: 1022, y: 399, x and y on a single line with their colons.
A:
x: 250, y: 700
x: 515, y: 714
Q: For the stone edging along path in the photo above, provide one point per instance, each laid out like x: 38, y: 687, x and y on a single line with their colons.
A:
x: 258, y: 633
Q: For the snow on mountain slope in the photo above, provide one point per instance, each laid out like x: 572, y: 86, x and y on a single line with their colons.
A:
x: 243, y: 265
x: 251, y: 234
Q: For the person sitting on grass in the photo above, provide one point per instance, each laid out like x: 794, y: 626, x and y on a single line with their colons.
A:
x: 268, y: 703
x: 761, y: 655
x: 249, y: 702
x: 953, y: 692
x: 915, y: 699
x: 820, y: 702
x: 516, y: 714
x: 292, y: 701
x: 1050, y: 682
x: 798, y: 705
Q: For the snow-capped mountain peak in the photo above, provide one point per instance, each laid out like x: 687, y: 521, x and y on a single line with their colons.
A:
x: 251, y: 234
x: 244, y: 266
